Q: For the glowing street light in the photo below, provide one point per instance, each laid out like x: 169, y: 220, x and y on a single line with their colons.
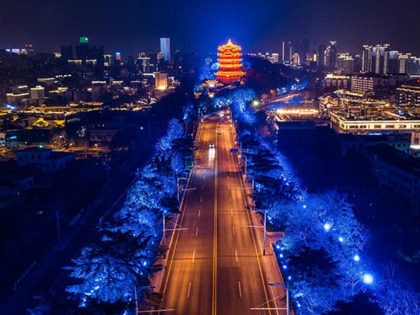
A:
x: 327, y: 227
x: 367, y: 278
x: 356, y: 257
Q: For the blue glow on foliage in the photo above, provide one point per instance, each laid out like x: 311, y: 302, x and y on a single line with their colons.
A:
x: 327, y: 227
x: 367, y: 278
x: 340, y: 239
x: 356, y: 257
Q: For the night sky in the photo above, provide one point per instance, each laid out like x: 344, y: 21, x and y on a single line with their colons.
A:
x: 131, y: 26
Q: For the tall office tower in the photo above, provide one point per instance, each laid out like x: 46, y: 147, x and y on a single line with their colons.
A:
x: 283, y: 49
x: 367, y: 59
x: 330, y: 55
x: 145, y: 62
x: 380, y: 59
x: 82, y: 50
x: 290, y: 51
x: 165, y: 47
x: 321, y: 57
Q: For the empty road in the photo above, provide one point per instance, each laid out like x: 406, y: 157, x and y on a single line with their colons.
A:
x: 214, y: 263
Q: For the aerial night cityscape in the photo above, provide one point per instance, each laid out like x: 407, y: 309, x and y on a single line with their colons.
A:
x: 224, y: 157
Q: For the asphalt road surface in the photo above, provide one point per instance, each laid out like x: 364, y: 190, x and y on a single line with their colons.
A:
x: 214, y: 264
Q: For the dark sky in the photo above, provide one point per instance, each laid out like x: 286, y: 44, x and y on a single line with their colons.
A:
x: 131, y: 26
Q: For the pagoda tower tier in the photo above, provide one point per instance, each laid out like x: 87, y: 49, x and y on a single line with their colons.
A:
x: 230, y: 59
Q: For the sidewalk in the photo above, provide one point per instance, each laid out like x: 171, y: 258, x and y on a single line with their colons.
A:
x: 156, y: 279
x: 270, y: 264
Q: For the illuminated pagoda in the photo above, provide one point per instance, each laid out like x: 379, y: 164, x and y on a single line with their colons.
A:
x: 230, y: 69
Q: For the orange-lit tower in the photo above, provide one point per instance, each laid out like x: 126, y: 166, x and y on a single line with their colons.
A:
x: 230, y: 69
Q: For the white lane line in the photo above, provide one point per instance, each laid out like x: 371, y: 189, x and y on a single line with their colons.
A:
x: 196, y: 231
x: 199, y: 212
x: 201, y: 198
x: 189, y: 289
x: 236, y: 255
x: 193, y: 257
x: 234, y: 231
x: 240, y: 288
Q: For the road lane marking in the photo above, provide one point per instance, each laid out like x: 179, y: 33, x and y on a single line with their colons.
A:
x: 254, y: 242
x: 196, y: 231
x: 214, y: 291
x: 193, y: 256
x: 236, y: 255
x: 240, y: 288
x: 201, y: 198
x: 234, y: 231
x: 189, y: 289
x: 199, y: 212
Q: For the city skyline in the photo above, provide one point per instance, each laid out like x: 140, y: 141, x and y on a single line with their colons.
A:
x: 131, y: 27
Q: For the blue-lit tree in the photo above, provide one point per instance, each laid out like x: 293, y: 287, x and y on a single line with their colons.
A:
x: 109, y: 272
x: 395, y: 297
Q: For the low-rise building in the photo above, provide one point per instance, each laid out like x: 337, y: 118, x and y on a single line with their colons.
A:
x: 397, y: 172
x: 408, y: 95
x: 45, y: 160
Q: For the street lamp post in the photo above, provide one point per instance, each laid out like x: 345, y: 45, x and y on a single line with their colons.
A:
x: 164, y: 229
x: 178, y: 179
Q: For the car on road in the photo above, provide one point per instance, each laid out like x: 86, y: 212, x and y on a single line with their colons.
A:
x: 211, y: 146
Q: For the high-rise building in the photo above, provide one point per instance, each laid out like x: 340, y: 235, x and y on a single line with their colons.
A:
x: 413, y: 66
x: 275, y: 57
x: 286, y: 51
x: 283, y: 50
x: 367, y: 59
x: 393, y: 66
x: 321, y: 57
x: 38, y: 94
x: 165, y: 47
x: 330, y: 56
x: 144, y: 62
x: 380, y: 59
x: 345, y: 63
x: 357, y: 63
x: 403, y: 60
